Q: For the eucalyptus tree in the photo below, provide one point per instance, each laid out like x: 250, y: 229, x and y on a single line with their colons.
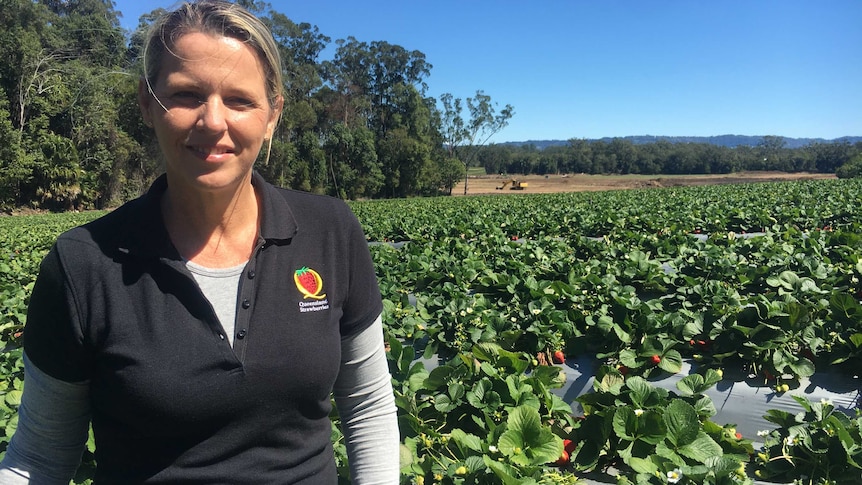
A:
x: 352, y: 161
x: 90, y: 30
x: 464, y: 138
x: 580, y: 156
x: 300, y: 46
x: 851, y: 169
x: 31, y: 77
x: 772, y: 150
x: 828, y: 157
x: 624, y: 154
x: 375, y: 71
x: 495, y: 159
x: 24, y: 26
x: 380, y: 86
x: 64, y: 79
x: 12, y: 170
x: 406, y: 149
x: 98, y: 74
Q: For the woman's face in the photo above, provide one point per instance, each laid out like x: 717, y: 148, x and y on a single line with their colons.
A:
x: 210, y: 112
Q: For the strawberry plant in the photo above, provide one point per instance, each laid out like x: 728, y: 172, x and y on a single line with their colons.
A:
x: 482, y: 411
x: 650, y: 434
x: 653, y: 355
x: 818, y: 443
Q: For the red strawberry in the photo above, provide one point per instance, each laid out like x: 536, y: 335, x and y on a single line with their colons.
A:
x: 307, y: 280
x: 623, y: 370
x: 569, y: 446
x: 559, y: 357
x: 563, y: 460
x: 738, y: 435
x: 655, y: 359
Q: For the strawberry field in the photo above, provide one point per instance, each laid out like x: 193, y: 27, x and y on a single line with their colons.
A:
x: 490, y: 300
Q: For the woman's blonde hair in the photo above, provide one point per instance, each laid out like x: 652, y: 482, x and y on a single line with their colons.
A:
x: 215, y: 17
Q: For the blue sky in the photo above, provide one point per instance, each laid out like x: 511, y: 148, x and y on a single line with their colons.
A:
x: 592, y: 69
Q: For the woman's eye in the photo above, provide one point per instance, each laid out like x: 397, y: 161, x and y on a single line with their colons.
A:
x: 191, y: 98
x: 186, y: 97
x: 239, y: 102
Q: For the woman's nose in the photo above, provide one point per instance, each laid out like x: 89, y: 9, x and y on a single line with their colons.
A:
x: 213, y: 116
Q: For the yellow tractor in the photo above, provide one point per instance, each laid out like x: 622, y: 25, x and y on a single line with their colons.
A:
x: 515, y: 185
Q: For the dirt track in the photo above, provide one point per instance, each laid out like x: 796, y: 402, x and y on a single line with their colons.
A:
x: 583, y: 183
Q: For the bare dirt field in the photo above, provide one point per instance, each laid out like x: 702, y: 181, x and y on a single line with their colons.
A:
x: 542, y: 184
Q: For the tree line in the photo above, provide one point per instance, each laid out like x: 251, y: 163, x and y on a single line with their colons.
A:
x: 621, y: 156
x: 357, y: 125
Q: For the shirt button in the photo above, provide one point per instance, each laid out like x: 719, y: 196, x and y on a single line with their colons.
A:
x: 246, y: 304
x: 241, y: 334
x: 251, y: 274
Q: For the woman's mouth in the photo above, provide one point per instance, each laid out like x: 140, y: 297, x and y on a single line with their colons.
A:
x: 211, y: 153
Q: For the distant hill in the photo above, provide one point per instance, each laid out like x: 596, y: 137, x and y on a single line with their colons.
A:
x: 721, y: 140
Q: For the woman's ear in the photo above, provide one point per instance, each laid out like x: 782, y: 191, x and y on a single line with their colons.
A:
x: 145, y: 100
x: 275, y: 116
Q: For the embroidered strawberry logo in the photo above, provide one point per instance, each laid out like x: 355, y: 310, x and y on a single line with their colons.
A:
x: 308, y: 282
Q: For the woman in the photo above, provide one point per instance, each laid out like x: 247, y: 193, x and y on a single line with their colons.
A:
x: 204, y: 327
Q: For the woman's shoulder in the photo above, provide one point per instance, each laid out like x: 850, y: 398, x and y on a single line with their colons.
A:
x: 311, y: 199
x: 315, y: 207
x: 124, y: 226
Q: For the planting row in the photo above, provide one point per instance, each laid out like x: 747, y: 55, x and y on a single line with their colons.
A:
x: 778, y: 305
x: 711, y: 209
x: 490, y: 416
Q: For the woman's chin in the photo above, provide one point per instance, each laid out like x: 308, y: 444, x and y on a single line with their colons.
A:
x: 213, y: 181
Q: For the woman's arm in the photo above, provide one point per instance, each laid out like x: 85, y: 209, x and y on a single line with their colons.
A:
x: 53, y: 425
x: 366, y: 405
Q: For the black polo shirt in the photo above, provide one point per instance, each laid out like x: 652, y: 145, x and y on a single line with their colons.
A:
x: 172, y: 401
